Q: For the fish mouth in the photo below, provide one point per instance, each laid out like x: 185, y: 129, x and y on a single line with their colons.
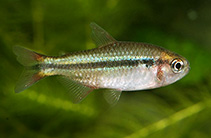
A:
x: 187, y: 69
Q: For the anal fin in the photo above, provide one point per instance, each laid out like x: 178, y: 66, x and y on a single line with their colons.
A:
x: 77, y: 91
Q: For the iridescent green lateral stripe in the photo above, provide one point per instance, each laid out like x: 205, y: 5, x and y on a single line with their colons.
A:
x: 109, y: 64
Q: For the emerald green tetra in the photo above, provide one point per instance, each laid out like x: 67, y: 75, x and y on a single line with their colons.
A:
x: 115, y: 65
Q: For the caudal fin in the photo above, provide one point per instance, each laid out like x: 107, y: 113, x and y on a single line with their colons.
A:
x: 31, y: 74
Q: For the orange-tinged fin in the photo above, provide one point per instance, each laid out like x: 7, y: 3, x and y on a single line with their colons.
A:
x: 27, y: 57
x: 31, y: 74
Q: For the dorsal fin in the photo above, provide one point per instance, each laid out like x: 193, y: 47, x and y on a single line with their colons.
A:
x: 100, y: 36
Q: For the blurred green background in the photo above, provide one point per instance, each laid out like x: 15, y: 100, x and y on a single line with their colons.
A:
x: 52, y: 27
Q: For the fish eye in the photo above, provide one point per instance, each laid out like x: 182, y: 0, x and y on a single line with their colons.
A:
x: 177, y: 65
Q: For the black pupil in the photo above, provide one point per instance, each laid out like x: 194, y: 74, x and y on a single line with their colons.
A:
x: 178, y: 66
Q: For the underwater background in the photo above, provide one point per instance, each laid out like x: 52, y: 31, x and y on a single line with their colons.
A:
x: 54, y: 27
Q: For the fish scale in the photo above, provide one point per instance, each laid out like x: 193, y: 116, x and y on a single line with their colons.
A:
x: 109, y: 70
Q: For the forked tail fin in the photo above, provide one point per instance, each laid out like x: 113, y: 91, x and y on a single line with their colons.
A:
x: 31, y: 74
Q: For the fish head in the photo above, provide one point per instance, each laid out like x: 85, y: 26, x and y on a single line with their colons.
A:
x: 172, y: 68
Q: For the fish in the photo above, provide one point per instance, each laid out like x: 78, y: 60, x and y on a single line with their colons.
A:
x: 114, y: 66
